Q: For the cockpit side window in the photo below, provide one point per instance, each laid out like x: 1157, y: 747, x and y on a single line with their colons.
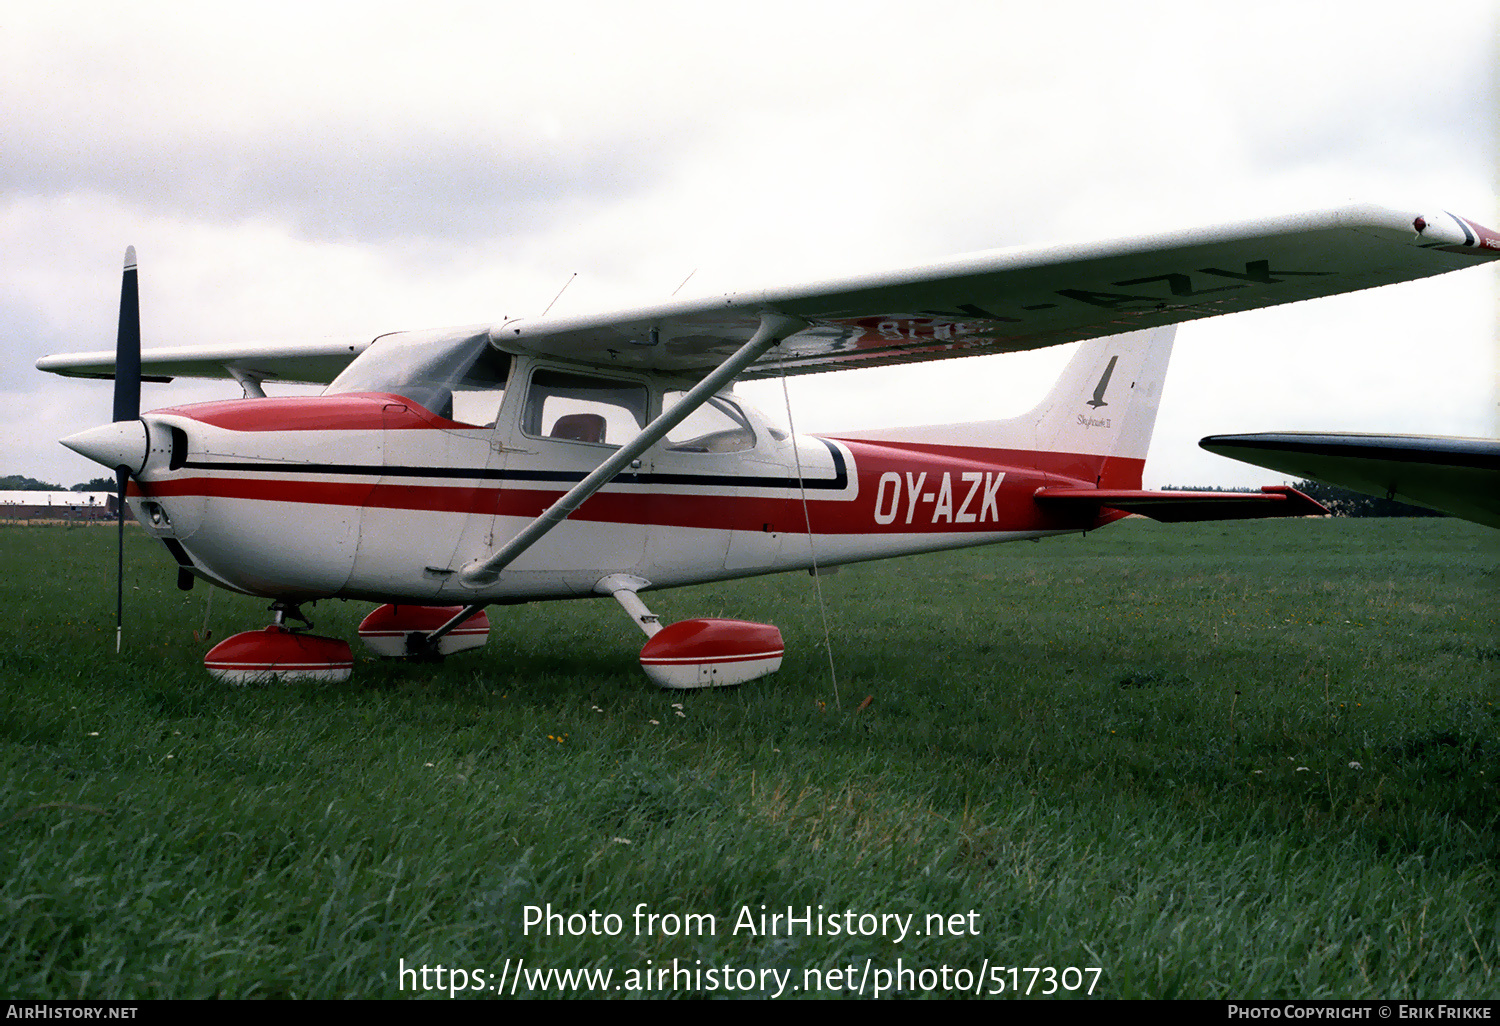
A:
x: 583, y: 408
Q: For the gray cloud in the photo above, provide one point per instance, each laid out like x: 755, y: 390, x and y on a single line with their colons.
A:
x: 338, y: 183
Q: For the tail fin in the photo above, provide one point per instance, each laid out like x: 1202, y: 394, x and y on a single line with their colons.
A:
x: 1105, y: 403
x: 1102, y: 409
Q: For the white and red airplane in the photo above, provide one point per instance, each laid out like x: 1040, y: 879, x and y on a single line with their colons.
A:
x: 445, y: 471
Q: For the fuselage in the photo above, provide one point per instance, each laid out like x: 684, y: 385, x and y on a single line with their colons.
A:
x: 372, y: 495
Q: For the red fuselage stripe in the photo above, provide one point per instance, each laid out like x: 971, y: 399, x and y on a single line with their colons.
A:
x: 1015, y: 510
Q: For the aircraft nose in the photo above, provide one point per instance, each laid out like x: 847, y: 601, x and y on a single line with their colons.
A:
x: 121, y: 444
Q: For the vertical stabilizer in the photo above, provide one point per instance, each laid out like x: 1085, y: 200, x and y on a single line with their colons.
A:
x: 1105, y: 402
x: 1102, y: 410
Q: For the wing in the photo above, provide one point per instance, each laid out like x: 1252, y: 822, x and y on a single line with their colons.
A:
x: 1460, y: 476
x: 301, y: 362
x: 1013, y: 300
x: 996, y: 302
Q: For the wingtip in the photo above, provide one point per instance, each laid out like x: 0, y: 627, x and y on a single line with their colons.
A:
x: 1454, y: 234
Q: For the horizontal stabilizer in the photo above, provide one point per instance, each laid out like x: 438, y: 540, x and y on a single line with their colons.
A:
x: 1460, y: 476
x: 1184, y: 507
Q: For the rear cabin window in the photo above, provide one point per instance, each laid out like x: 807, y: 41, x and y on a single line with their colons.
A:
x: 583, y: 408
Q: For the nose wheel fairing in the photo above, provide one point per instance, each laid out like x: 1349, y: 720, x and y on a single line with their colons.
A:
x: 280, y: 655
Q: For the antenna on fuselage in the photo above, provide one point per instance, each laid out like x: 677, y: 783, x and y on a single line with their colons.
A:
x: 684, y: 281
x: 559, y: 293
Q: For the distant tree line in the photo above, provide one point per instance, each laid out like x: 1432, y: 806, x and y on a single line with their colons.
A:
x: 1342, y: 502
x: 1346, y: 503
x: 21, y: 483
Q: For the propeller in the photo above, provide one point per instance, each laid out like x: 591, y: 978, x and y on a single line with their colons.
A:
x: 127, y: 407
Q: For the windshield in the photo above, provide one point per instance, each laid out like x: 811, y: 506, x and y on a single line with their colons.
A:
x: 716, y: 426
x: 452, y: 372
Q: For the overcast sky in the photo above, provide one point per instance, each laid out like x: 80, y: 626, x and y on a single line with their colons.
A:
x: 305, y: 170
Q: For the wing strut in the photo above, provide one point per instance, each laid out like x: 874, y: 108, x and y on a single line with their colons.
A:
x: 248, y: 381
x: 773, y: 328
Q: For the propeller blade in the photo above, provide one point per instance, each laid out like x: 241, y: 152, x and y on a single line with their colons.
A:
x: 127, y: 407
x: 128, y: 345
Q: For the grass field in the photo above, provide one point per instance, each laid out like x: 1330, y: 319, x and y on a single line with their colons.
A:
x: 1252, y: 760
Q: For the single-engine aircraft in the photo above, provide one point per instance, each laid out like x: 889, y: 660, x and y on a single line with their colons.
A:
x: 445, y: 471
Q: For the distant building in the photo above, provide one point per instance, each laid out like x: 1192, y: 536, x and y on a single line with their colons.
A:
x: 57, y: 506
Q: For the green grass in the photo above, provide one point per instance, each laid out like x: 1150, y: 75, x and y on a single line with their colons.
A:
x: 1251, y: 760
